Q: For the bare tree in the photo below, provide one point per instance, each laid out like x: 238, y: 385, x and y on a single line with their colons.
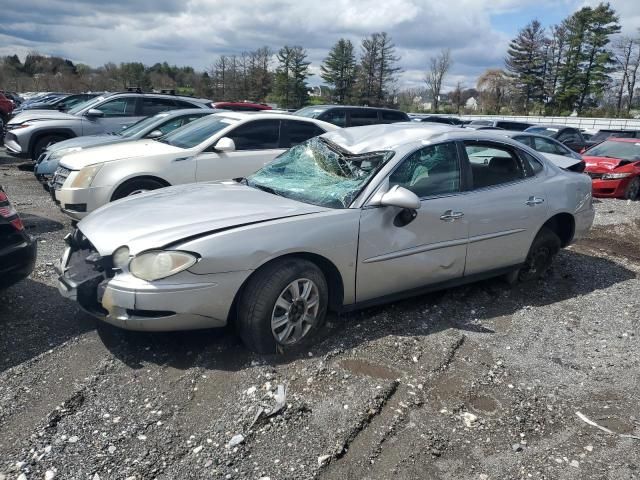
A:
x: 627, y: 58
x: 457, y: 97
x: 438, y: 68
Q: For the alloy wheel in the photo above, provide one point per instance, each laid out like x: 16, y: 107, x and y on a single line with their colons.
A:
x: 295, y: 312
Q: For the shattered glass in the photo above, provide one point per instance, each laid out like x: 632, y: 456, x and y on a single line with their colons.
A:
x: 319, y: 172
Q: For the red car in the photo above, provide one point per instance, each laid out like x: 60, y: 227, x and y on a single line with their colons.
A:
x: 6, y: 107
x: 241, y: 106
x: 614, y: 166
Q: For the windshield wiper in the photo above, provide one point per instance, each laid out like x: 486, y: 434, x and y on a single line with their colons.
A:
x: 265, y: 189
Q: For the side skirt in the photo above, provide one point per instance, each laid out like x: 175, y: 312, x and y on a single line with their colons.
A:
x: 429, y: 288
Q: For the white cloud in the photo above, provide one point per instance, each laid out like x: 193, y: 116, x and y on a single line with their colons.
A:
x: 194, y: 32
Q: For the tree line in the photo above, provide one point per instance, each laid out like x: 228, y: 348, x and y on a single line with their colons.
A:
x: 580, y: 65
x: 367, y: 77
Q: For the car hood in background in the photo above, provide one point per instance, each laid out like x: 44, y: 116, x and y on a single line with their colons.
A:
x: 155, y: 219
x: 42, y: 115
x: 119, y: 151
x: 86, y: 141
x: 561, y: 161
x: 604, y: 164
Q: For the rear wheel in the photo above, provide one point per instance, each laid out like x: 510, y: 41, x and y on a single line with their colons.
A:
x: 283, y: 306
x: 633, y: 189
x: 136, y: 186
x: 43, y: 143
x: 543, y: 249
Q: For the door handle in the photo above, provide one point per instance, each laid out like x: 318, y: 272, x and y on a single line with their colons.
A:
x: 182, y: 159
x: 450, y: 216
x: 534, y: 201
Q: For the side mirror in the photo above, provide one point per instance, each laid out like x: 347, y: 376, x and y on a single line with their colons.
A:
x: 225, y: 144
x: 400, y: 197
x: 94, y: 113
x: 154, y: 134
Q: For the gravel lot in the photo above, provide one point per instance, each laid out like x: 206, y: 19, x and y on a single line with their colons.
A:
x: 477, y: 382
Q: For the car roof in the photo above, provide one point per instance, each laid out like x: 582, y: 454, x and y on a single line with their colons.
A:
x: 621, y: 139
x: 551, y: 125
x: 359, y: 107
x: 188, y: 111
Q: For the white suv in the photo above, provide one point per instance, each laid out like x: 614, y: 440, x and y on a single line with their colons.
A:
x: 217, y: 147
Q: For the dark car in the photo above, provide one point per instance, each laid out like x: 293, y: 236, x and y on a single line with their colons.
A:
x: 241, y: 106
x: 503, y: 124
x: 601, y: 135
x: 17, y: 249
x: 570, y: 136
x: 62, y: 103
x: 348, y: 116
x: 438, y: 119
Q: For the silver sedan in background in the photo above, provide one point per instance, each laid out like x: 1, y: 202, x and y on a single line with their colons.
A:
x: 354, y: 217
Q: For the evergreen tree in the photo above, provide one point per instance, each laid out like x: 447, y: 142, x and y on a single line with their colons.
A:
x: 584, y: 73
x: 525, y: 63
x: 290, y: 87
x: 339, y: 70
x: 378, y: 69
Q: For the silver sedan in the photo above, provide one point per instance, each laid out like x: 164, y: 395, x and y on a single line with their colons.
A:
x: 351, y: 218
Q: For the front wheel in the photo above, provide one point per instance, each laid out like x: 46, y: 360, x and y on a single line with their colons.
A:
x: 282, y: 306
x: 540, y: 257
x: 42, y: 144
x: 136, y: 186
x: 633, y: 189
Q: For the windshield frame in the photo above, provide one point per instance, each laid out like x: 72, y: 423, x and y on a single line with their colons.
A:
x: 227, y: 121
x: 84, y: 105
x: 344, y: 156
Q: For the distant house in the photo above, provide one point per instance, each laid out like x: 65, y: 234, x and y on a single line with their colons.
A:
x: 471, y: 104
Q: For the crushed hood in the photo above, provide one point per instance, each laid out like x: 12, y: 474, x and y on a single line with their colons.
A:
x: 156, y: 219
x: 118, y: 151
x: 603, y: 164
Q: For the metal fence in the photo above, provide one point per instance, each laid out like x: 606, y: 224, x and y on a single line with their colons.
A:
x: 579, y: 122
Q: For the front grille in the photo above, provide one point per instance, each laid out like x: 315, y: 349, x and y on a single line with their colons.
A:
x: 60, y: 177
x: 87, y: 270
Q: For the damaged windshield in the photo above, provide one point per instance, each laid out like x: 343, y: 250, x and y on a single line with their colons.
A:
x: 319, y: 172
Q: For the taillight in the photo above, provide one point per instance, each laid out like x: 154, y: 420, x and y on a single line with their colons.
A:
x: 7, y: 211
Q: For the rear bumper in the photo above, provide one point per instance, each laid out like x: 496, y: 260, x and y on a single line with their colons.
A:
x: 17, y: 262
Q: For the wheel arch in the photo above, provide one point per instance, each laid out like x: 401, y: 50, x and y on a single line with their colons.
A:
x: 135, y: 179
x: 562, y: 224
x: 66, y: 132
x: 328, y: 268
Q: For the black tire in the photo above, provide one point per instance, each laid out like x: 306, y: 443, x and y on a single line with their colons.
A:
x: 137, y: 185
x: 257, y: 304
x: 543, y: 249
x: 42, y: 143
x: 633, y: 189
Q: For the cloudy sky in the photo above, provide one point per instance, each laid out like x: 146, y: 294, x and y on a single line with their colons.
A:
x: 194, y: 32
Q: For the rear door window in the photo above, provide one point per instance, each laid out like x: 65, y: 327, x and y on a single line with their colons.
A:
x: 257, y: 135
x: 432, y: 170
x: 493, y: 164
x: 363, y: 117
x: 294, y: 132
x: 118, y: 107
x: 336, y: 116
x: 391, y: 117
x: 151, y: 106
